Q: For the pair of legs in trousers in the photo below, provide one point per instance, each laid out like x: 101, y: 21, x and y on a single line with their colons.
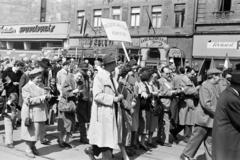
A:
x: 8, y: 125
x: 179, y: 128
x: 164, y: 127
x: 200, y: 134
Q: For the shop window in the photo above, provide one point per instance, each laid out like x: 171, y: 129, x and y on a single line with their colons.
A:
x: 18, y: 45
x: 55, y: 44
x: 157, y: 16
x: 116, y: 13
x: 153, y: 53
x: 224, y: 5
x: 179, y: 10
x: 37, y: 45
x: 3, y: 45
x: 97, y: 14
x: 43, y: 10
x: 135, y: 16
x: 80, y: 19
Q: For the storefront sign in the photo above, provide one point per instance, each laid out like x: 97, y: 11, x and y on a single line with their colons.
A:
x: 116, y: 30
x: 223, y: 45
x: 36, y: 28
x: 216, y: 45
x: 95, y: 42
x: 154, y: 42
x: 41, y: 30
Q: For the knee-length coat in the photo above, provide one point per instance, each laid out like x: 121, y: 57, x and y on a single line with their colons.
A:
x: 103, y: 130
x: 226, y: 127
x: 186, y: 105
x: 35, y: 106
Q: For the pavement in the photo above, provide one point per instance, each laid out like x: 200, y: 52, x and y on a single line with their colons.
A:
x: 54, y: 152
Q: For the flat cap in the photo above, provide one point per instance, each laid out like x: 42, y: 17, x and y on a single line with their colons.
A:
x: 213, y: 71
x: 109, y: 58
x: 35, y: 72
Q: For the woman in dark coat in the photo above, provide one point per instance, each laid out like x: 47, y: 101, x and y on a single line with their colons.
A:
x: 226, y: 128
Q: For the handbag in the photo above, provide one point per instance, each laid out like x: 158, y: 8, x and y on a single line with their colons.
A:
x: 28, y: 121
x: 65, y: 105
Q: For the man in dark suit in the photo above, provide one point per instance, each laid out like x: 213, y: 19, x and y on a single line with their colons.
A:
x: 226, y: 127
x: 208, y: 96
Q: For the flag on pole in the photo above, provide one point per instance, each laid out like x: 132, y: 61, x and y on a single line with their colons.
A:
x: 227, y: 63
x: 201, y: 76
x: 150, y: 25
x: 212, y: 64
x: 83, y: 27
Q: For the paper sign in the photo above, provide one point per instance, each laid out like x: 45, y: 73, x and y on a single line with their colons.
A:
x: 116, y: 30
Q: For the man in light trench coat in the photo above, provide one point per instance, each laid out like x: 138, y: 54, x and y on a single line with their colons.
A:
x: 103, y: 129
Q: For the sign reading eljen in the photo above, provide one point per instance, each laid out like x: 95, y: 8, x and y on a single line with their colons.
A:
x: 116, y: 30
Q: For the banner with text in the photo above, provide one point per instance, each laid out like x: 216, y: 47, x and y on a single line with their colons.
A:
x: 116, y: 30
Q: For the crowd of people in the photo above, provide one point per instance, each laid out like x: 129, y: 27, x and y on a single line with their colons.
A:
x: 120, y: 105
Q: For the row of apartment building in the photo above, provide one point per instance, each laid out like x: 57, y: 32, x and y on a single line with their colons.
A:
x: 179, y: 29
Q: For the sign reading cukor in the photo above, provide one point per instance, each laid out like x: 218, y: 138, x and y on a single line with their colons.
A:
x: 116, y: 30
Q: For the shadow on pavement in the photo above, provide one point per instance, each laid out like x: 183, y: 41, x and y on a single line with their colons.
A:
x: 49, y: 149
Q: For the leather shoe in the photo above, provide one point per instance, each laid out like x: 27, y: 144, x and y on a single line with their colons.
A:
x: 60, y: 144
x: 67, y: 145
x: 89, y: 152
x: 45, y: 141
x: 10, y: 145
x: 35, y: 151
x: 166, y: 144
x: 84, y: 141
x: 144, y: 147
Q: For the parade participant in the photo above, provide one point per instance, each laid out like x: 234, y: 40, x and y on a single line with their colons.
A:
x: 9, y: 113
x: 208, y: 96
x: 11, y: 77
x: 127, y: 107
x: 166, y: 93
x: 83, y: 105
x: 103, y: 130
x: 226, y: 127
x: 62, y: 75
x: 34, y: 111
x: 67, y: 106
x: 186, y: 105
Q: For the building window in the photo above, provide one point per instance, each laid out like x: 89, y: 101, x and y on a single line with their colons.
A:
x: 157, y: 16
x: 179, y: 10
x: 80, y: 19
x: 224, y: 5
x: 18, y: 45
x: 43, y: 10
x: 116, y: 13
x: 97, y: 14
x: 135, y: 16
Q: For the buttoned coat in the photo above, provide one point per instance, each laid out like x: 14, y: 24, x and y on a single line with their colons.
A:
x: 35, y: 106
x: 226, y: 128
x: 186, y: 105
x: 103, y: 130
x: 208, y: 96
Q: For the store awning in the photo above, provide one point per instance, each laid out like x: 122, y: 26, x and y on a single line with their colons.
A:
x: 32, y: 37
x: 176, y: 53
x: 216, y: 46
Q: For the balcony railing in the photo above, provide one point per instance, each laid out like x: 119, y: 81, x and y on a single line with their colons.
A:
x: 223, y: 14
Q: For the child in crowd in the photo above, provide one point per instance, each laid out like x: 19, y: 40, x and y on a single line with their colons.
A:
x: 10, y: 111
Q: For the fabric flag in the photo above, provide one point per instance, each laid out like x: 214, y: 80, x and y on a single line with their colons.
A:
x: 83, y: 27
x: 227, y: 63
x: 212, y: 64
x: 202, y: 71
x: 150, y: 25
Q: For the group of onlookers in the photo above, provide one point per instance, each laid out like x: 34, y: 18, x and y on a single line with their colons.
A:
x: 120, y: 105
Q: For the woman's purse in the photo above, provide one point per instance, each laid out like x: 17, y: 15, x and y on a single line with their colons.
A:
x: 28, y: 121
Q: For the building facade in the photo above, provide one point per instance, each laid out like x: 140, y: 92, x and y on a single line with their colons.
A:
x: 217, y: 30
x: 159, y: 28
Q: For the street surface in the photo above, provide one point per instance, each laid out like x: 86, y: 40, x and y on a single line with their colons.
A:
x: 54, y: 152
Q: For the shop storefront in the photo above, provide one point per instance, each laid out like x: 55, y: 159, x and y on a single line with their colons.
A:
x: 217, y: 47
x: 32, y: 38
